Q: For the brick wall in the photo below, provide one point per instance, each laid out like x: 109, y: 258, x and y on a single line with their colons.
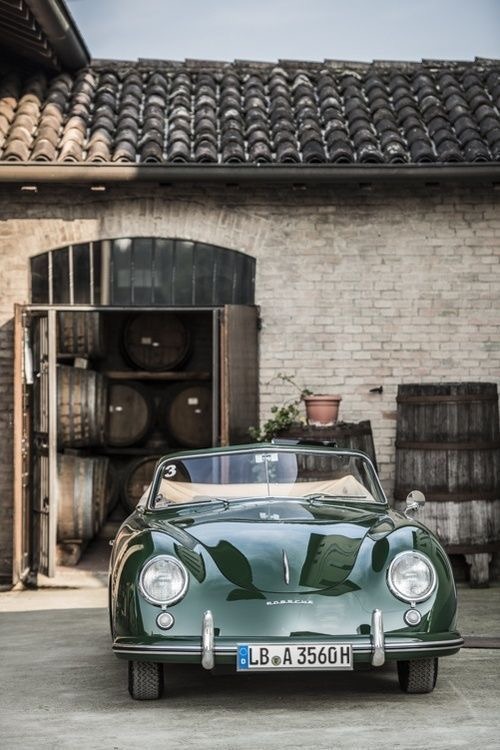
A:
x: 357, y: 288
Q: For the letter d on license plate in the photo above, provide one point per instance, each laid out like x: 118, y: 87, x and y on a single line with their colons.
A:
x: 297, y: 656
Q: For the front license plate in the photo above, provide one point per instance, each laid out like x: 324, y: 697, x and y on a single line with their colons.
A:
x: 297, y: 656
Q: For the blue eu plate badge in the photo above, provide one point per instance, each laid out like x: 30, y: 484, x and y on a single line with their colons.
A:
x: 242, y: 656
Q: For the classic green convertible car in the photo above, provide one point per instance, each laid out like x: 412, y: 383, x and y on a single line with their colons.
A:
x: 277, y: 557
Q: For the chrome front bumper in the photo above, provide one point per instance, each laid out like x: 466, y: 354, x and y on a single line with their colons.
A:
x: 377, y: 645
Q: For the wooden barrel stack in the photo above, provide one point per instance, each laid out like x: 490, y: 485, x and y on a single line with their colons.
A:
x: 448, y: 446
x: 112, y: 427
x: 83, y: 481
x: 144, y: 404
x: 155, y: 416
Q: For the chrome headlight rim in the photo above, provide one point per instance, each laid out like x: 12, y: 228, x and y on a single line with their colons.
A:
x: 396, y: 592
x: 172, y: 599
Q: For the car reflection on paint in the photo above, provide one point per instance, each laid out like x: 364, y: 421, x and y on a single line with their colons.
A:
x: 273, y: 557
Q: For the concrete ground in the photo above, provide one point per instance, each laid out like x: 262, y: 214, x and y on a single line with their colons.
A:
x: 62, y: 688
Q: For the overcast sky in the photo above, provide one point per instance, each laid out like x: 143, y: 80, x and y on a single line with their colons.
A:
x: 290, y: 29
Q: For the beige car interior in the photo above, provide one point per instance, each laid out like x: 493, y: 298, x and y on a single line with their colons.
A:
x: 186, y: 492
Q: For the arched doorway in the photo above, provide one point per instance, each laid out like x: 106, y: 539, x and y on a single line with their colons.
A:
x: 150, y: 285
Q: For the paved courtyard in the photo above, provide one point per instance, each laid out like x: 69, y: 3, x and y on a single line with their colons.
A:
x: 62, y: 688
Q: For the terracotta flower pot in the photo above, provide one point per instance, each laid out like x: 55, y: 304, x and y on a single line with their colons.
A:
x: 322, y: 411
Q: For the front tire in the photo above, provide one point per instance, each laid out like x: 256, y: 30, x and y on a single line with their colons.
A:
x: 418, y: 676
x: 145, y: 680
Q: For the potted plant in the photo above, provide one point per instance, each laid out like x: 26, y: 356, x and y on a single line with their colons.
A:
x: 321, y: 410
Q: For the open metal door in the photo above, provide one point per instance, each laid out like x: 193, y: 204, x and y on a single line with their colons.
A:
x: 35, y: 434
x: 239, y: 372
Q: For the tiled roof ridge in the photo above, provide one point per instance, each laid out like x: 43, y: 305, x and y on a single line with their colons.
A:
x: 292, y: 65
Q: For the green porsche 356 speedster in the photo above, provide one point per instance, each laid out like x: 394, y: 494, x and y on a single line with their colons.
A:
x: 277, y: 557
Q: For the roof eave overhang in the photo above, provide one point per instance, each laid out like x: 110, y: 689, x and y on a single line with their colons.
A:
x: 14, y: 172
x: 61, y: 31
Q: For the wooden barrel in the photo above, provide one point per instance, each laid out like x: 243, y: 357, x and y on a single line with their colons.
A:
x: 81, y: 407
x: 356, y: 436
x: 188, y: 415
x: 129, y: 414
x: 136, y: 479
x: 155, y: 341
x: 75, y: 492
x: 448, y: 446
x: 80, y: 334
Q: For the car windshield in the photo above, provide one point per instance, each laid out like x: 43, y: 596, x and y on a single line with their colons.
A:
x: 262, y: 473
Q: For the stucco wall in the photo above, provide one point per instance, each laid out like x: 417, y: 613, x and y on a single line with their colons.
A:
x: 357, y: 288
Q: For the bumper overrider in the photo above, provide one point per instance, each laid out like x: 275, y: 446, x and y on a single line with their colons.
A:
x: 376, y: 648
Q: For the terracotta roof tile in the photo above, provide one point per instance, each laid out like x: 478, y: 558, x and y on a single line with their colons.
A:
x: 156, y: 112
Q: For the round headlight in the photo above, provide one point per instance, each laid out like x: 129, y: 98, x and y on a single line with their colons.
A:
x: 163, y: 580
x: 411, y: 577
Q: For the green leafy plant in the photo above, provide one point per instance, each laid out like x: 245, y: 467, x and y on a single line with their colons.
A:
x: 282, y: 416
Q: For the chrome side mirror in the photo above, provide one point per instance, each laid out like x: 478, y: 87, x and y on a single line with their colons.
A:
x: 414, y: 501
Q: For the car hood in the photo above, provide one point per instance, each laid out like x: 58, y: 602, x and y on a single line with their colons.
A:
x: 281, y: 547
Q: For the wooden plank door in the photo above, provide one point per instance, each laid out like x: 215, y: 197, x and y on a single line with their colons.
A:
x: 239, y: 372
x: 35, y: 448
